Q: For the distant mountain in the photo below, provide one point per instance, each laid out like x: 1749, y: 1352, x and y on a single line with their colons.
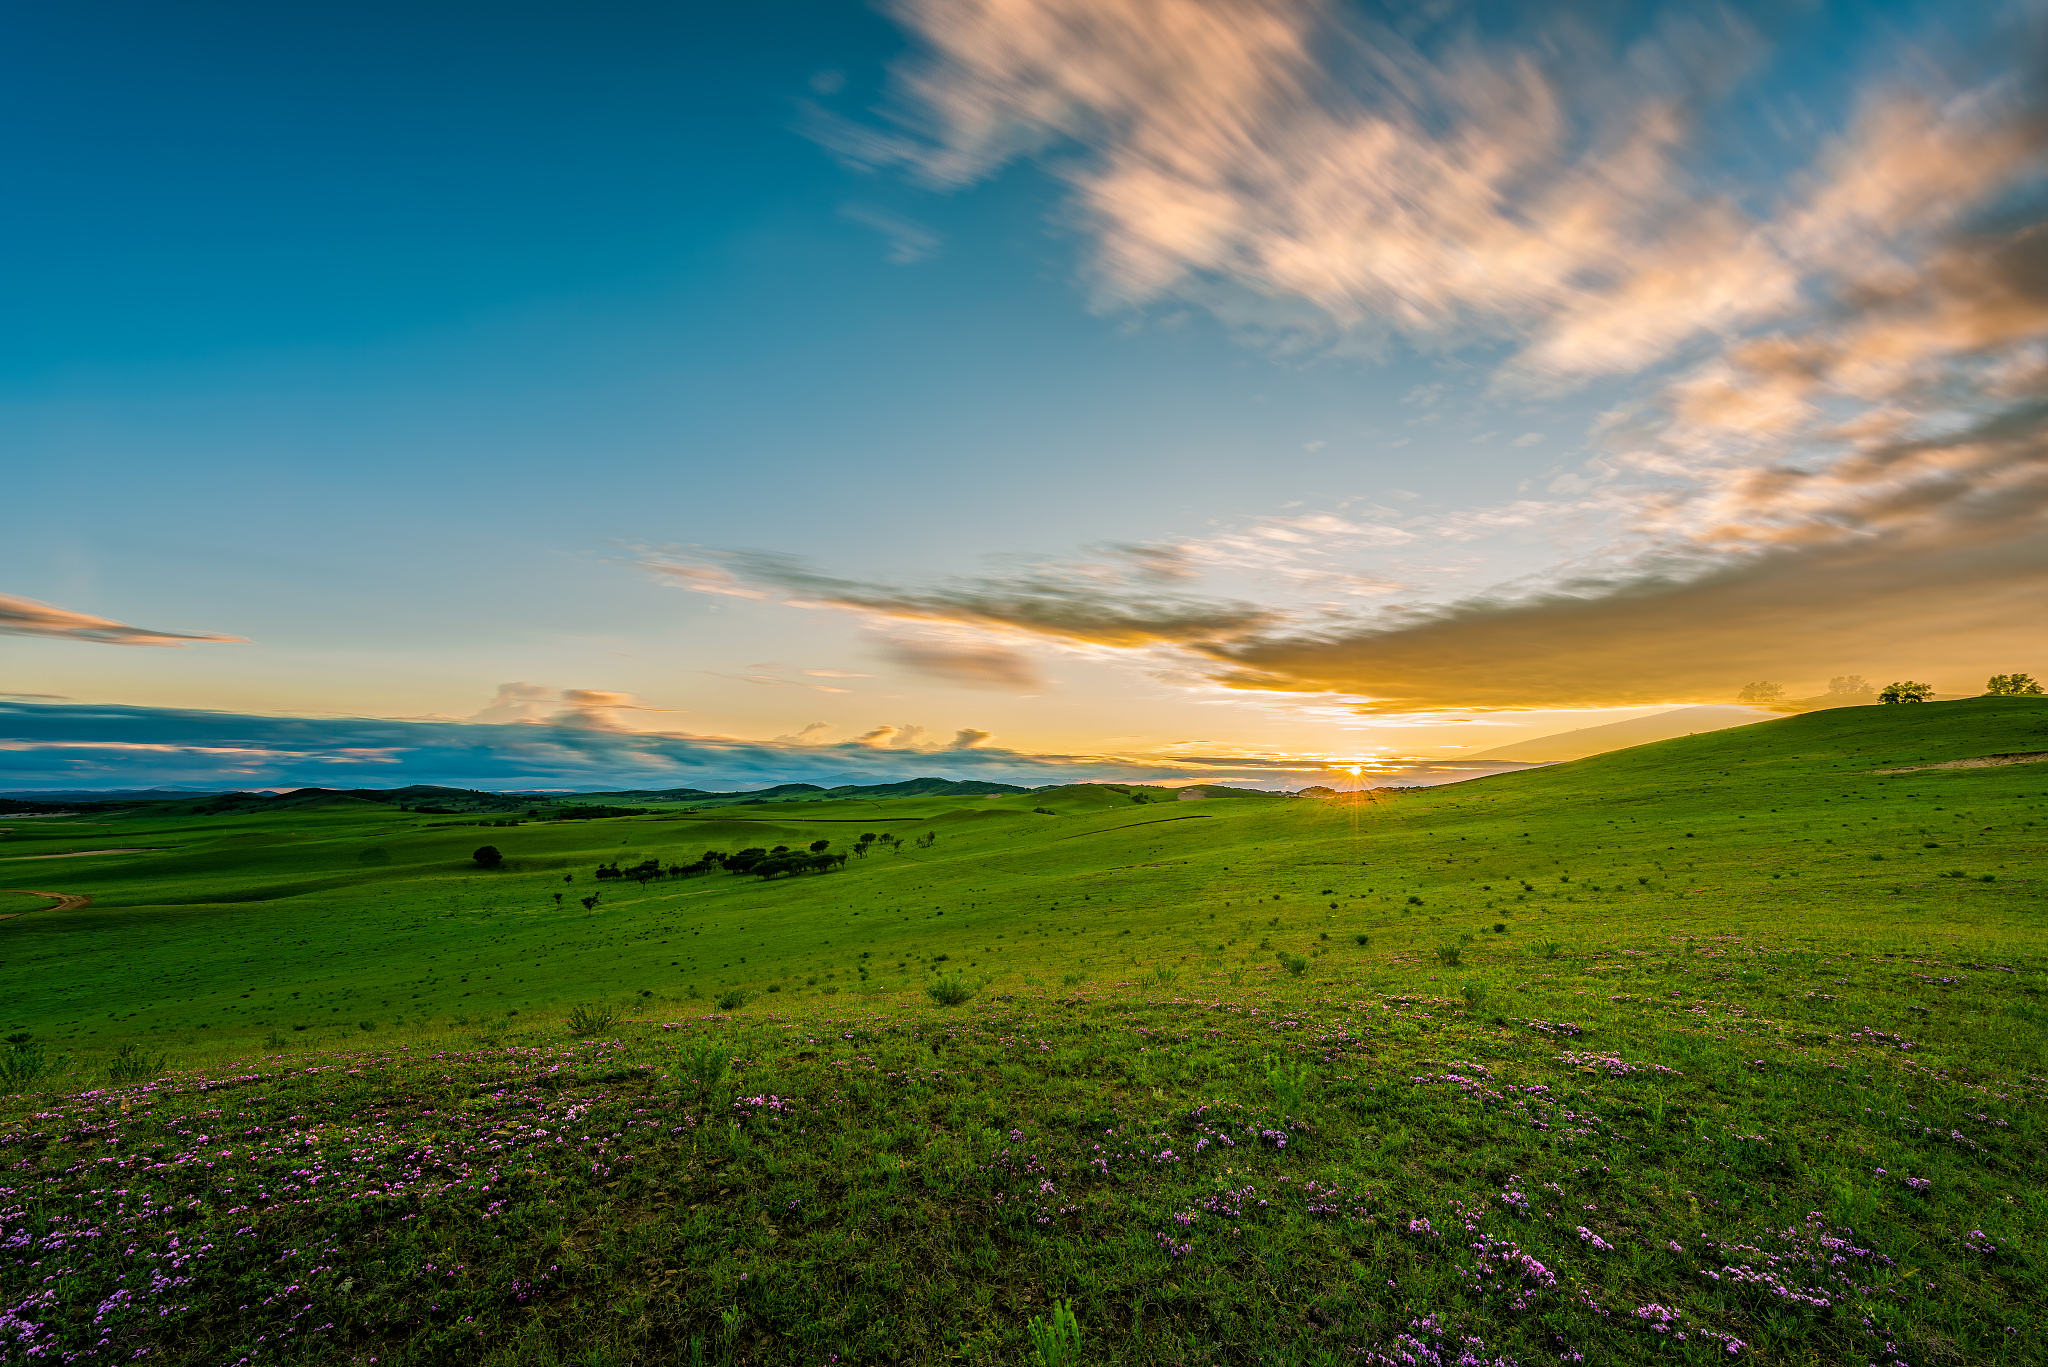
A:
x: 107, y: 795
x: 1620, y: 735
x: 926, y: 787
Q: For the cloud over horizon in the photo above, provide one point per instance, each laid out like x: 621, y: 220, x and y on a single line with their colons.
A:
x: 64, y: 747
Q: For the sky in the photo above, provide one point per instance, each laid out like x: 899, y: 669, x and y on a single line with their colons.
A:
x: 1236, y: 390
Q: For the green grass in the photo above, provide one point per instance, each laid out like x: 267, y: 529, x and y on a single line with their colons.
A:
x: 1712, y: 1033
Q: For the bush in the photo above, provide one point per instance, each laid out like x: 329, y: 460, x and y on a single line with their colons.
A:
x: 585, y: 1021
x: 1449, y: 955
x: 948, y: 991
x: 488, y: 857
x: 732, y: 999
x: 1363, y: 939
x: 1044, y: 811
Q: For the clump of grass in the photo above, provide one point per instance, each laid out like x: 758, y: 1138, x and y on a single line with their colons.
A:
x: 704, y: 1064
x: 1363, y: 939
x: 1551, y: 949
x: 1473, y: 993
x: 1293, y: 963
x: 1289, y: 1083
x: 732, y: 999
x: 1056, y: 1339
x: 1070, y: 980
x: 1450, y: 956
x: 949, y: 991
x: 131, y: 1064
x: 585, y: 1021
x: 24, y: 1064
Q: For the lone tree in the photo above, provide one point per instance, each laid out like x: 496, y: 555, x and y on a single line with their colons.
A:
x: 2012, y: 686
x: 1760, y: 692
x: 1906, y: 691
x: 488, y: 857
x: 1848, y: 683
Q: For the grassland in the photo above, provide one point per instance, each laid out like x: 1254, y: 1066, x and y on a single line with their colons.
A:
x: 1727, y: 1048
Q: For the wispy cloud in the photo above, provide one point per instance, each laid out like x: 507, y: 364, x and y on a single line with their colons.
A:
x: 909, y: 241
x: 1549, y: 183
x: 1836, y: 459
x: 27, y: 617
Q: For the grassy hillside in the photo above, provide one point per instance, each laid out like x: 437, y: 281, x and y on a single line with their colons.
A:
x: 1727, y: 1046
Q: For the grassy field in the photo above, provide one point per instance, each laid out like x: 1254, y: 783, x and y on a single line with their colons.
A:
x: 1727, y: 1048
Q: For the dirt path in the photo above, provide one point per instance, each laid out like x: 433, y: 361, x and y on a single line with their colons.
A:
x: 1980, y: 762
x: 66, y: 901
x: 80, y: 854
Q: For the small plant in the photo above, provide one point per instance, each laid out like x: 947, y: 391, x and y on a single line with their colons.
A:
x: 705, y: 1064
x: 130, y: 1064
x: 1293, y: 963
x: 1551, y: 949
x: 1164, y: 976
x: 1056, y: 1339
x: 732, y: 999
x: 24, y: 1063
x: 585, y: 1021
x: 1449, y: 955
x: 1500, y: 927
x: 1473, y: 993
x: 1363, y: 939
x: 1070, y: 979
x: 1289, y: 1082
x: 948, y: 991
x: 1414, y: 901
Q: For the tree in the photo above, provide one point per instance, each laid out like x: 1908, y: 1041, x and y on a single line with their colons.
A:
x: 819, y: 846
x: 1760, y: 692
x: 1907, y: 691
x: 488, y: 857
x: 1848, y: 683
x: 2012, y: 686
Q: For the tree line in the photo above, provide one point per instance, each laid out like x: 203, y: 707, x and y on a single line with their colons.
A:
x: 1901, y: 691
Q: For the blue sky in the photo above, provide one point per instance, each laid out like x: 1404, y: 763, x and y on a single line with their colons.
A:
x: 437, y: 348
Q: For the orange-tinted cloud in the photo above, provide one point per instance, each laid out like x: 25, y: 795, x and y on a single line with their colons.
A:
x: 26, y: 617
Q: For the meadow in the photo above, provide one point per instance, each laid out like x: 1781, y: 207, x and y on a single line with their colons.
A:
x: 1728, y: 1048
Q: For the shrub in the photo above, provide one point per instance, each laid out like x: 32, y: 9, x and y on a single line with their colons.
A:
x: 130, y: 1064
x: 1449, y: 955
x: 1363, y: 939
x: 731, y: 999
x: 585, y: 1021
x: 488, y: 857
x: 1414, y: 901
x: 948, y: 991
x: 1044, y: 811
